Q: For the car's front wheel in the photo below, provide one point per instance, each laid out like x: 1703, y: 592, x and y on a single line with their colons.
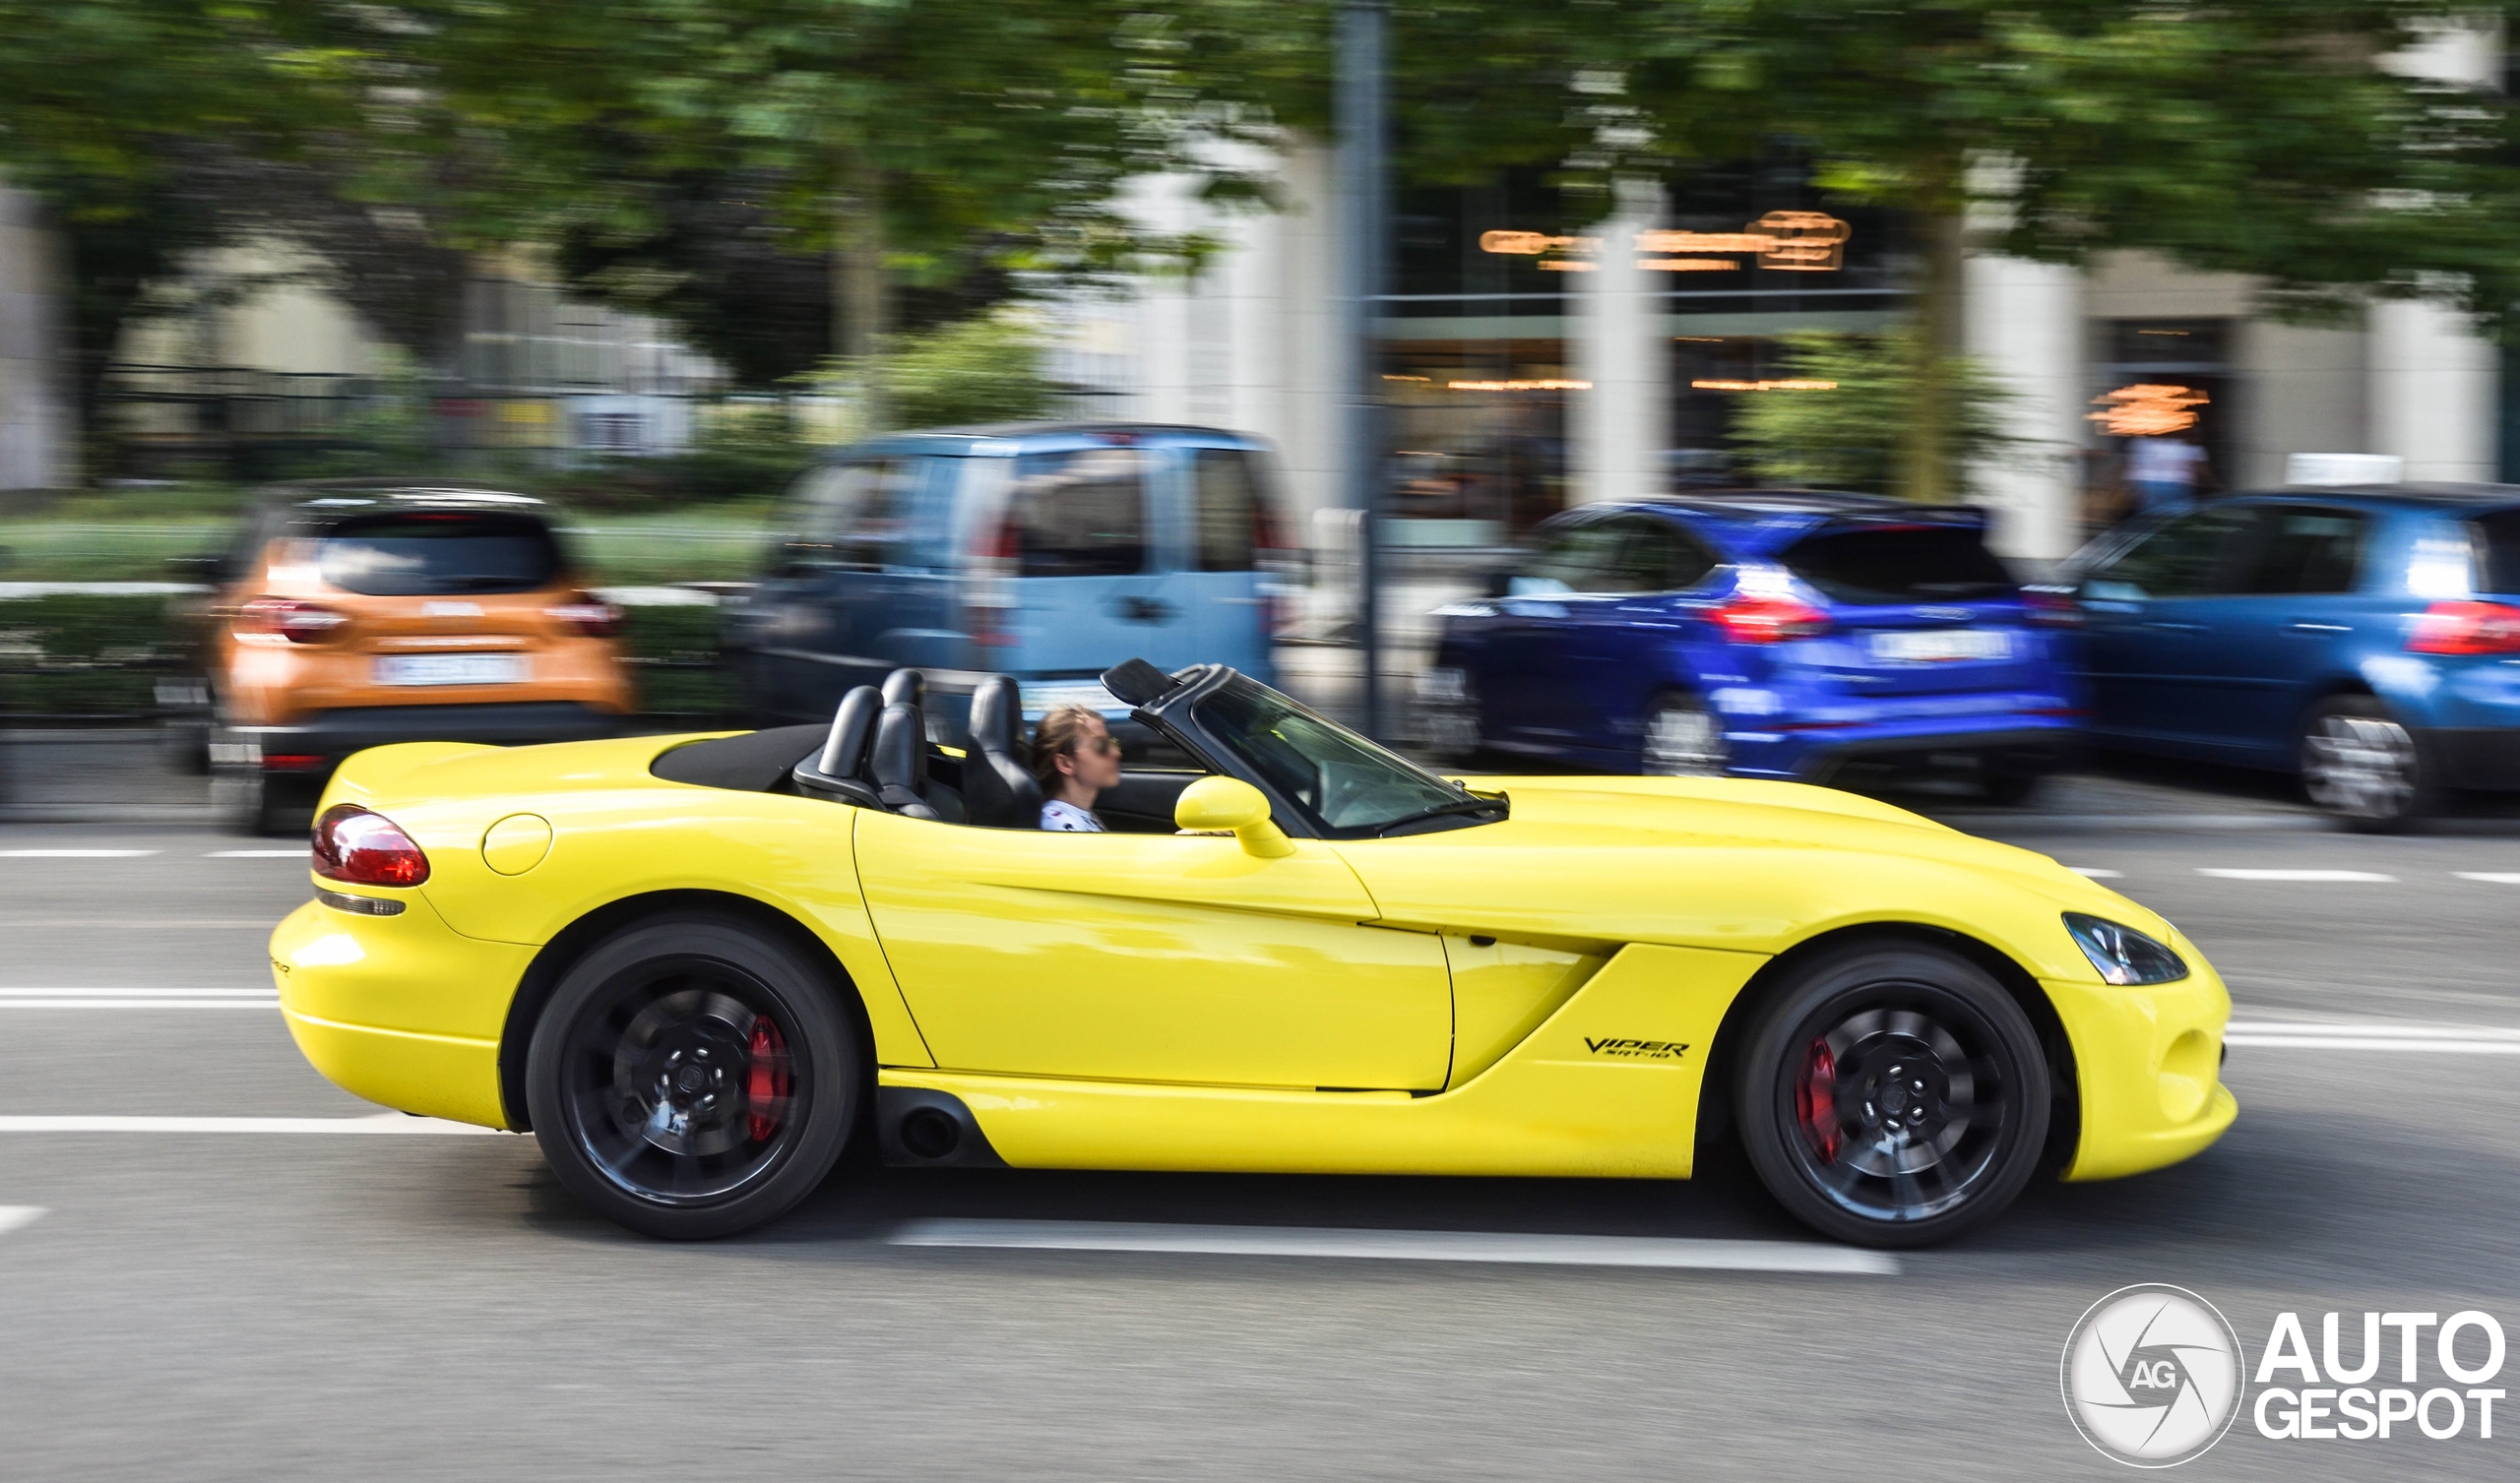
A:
x: 694, y: 1077
x: 1683, y: 738
x: 2362, y: 764
x: 1893, y: 1096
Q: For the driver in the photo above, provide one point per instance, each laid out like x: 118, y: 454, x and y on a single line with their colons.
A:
x: 1074, y: 759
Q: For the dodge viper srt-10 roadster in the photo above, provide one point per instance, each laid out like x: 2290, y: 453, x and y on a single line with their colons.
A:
x: 695, y: 967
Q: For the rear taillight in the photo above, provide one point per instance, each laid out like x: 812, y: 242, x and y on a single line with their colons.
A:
x: 2466, y: 628
x: 988, y: 594
x: 1769, y: 620
x: 2052, y: 607
x: 299, y: 622
x: 363, y: 847
x: 587, y: 614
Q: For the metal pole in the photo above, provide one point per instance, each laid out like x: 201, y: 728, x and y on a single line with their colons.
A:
x: 1363, y: 189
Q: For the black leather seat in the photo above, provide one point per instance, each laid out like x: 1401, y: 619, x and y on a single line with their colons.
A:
x: 899, y: 765
x: 839, y: 771
x: 998, y: 790
x: 906, y: 687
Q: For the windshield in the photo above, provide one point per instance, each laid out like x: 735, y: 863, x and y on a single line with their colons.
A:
x: 1343, y: 780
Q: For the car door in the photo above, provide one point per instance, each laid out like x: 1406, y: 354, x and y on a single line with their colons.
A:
x: 809, y: 629
x: 2269, y: 646
x: 2144, y: 626
x: 1096, y: 560
x: 1609, y: 659
x: 1150, y: 958
x: 1526, y: 691
x: 1232, y: 537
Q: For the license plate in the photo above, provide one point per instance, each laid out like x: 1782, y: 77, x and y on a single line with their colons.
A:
x: 451, y: 669
x: 1942, y: 646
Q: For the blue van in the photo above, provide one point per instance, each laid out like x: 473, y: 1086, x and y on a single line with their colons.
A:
x: 2367, y: 639
x: 1045, y: 551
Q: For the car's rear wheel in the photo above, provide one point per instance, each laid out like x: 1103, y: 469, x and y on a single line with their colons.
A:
x: 1683, y: 738
x: 2362, y: 766
x: 694, y: 1078
x: 1893, y: 1096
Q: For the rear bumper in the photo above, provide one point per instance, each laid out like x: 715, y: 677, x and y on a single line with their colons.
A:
x: 2476, y: 757
x: 336, y: 734
x: 2012, y: 743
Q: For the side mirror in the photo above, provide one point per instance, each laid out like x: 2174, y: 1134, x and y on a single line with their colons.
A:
x: 1230, y: 803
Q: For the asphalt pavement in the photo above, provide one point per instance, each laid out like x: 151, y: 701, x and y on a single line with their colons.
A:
x: 210, y: 1269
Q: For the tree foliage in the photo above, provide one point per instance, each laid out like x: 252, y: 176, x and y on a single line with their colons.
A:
x: 1843, y: 430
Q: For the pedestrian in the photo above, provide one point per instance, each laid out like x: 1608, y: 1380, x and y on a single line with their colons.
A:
x: 2164, y: 471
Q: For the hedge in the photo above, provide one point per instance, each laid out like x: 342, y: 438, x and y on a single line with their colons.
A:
x: 99, y: 657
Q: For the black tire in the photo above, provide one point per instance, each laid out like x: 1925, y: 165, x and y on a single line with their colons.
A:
x: 1892, y: 1095
x: 2008, y: 787
x: 2362, y: 766
x: 1682, y: 738
x: 765, y: 1105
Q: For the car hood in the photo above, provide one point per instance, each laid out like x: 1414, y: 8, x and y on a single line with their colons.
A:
x: 1725, y: 863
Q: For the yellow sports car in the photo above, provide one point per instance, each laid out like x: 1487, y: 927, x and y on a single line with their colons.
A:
x: 690, y: 965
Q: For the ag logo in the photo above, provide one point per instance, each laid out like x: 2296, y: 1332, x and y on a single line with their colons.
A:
x: 2152, y: 1375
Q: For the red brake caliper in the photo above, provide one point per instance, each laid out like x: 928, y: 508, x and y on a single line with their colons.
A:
x: 1815, y: 1099
x: 766, y: 1084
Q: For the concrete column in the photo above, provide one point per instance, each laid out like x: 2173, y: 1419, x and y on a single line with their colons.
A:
x: 35, y: 432
x: 2434, y: 387
x: 2025, y: 327
x: 1617, y: 431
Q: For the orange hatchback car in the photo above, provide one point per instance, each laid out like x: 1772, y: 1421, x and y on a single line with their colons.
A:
x: 353, y: 615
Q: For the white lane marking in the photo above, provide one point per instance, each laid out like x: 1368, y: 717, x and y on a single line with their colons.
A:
x: 2096, y: 873
x: 2294, y: 875
x: 99, y: 993
x: 2366, y: 1035
x: 139, y: 999
x: 2491, y: 877
x: 1399, y: 1246
x: 17, y: 1217
x: 299, y: 853
x: 389, y: 1123
x: 74, y: 854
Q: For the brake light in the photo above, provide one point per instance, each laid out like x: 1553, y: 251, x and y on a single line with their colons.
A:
x: 2052, y: 607
x: 299, y: 622
x: 587, y: 614
x: 2466, y: 628
x: 1769, y: 620
x: 363, y: 847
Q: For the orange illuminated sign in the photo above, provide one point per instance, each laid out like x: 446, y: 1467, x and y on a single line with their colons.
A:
x: 1782, y: 241
x: 2147, y: 410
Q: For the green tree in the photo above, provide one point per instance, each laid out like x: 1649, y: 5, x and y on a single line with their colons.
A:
x: 1843, y: 418
x: 986, y: 369
x: 2245, y: 136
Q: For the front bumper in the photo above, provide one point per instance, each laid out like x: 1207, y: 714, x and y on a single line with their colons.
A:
x: 2149, y: 1062
x: 336, y: 734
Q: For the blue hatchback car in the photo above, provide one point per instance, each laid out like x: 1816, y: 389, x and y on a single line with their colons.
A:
x: 2368, y: 639
x: 1045, y: 551
x: 1763, y: 634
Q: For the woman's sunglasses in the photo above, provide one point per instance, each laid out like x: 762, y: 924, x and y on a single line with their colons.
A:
x: 1109, y: 746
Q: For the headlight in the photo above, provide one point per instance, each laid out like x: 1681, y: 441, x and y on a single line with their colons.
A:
x: 2123, y: 955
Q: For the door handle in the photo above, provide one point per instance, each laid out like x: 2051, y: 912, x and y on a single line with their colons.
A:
x: 2305, y: 626
x: 1146, y: 610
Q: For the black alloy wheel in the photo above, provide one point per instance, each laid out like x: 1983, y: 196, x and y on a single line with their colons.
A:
x: 694, y: 1077
x: 1893, y: 1096
x: 2362, y: 766
x: 1683, y: 738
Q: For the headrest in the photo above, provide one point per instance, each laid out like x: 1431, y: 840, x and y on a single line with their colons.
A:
x: 997, y: 714
x: 905, y: 687
x: 852, y: 732
x: 900, y: 759
x: 1135, y: 682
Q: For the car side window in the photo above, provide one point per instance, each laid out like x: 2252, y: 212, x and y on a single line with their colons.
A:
x: 1656, y: 556
x: 854, y: 517
x: 1577, y: 558
x: 1225, y: 497
x: 1079, y: 513
x: 2308, y: 552
x: 2190, y: 557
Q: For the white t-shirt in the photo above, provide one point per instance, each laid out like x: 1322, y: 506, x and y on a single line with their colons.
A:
x: 1067, y: 817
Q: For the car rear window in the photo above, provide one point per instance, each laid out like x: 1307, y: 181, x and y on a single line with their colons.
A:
x: 2498, y: 552
x: 856, y: 517
x: 419, y: 555
x: 1900, y: 564
x: 1081, y: 513
x: 1230, y: 513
